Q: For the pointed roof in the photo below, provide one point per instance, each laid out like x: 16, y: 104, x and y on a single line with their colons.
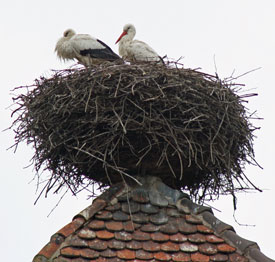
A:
x: 148, y: 222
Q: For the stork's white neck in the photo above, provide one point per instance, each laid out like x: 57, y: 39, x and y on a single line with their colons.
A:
x: 131, y: 32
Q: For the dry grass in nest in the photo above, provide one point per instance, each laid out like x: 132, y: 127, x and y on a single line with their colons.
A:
x: 115, y: 121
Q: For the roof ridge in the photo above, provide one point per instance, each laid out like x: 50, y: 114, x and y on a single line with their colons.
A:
x: 247, y: 247
x: 78, y: 221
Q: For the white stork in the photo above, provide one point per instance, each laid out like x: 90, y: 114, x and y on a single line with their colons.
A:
x: 135, y: 50
x: 83, y: 47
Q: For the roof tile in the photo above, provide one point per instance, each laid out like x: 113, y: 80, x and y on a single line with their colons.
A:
x: 114, y: 259
x: 120, y: 216
x: 173, y: 212
x: 178, y: 237
x: 214, y: 239
x: 149, y: 209
x: 142, y: 254
x: 124, y: 236
x: 187, y: 206
x: 40, y: 258
x: 159, y: 218
x: 71, y: 227
x: 130, y: 226
x: 193, y: 220
x: 125, y: 197
x: 140, y: 195
x: 181, y: 257
x: 188, y: 247
x: 204, y: 229
x: 239, y: 242
x: 97, y: 244
x: 151, y: 246
x: 113, y: 207
x: 50, y: 248
x: 157, y: 199
x: 257, y: 255
x: 169, y: 247
x: 57, y: 239
x: 70, y: 252
x: 116, y: 244
x: 197, y: 238
x: 183, y: 206
x: 219, y: 258
x: 88, y: 253
x: 96, y: 224
x: 61, y: 259
x: 75, y: 241
x: 114, y: 226
x: 104, y: 234
x: 149, y: 228
x: 217, y: 225
x: 140, y: 218
x: 170, y: 228
x: 131, y: 207
x: 104, y: 215
x: 126, y: 254
x: 86, y: 234
x: 160, y: 237
x: 237, y: 258
x: 134, y: 245
x: 108, y: 253
x: 91, y: 210
x: 208, y: 249
x: 111, y: 193
x: 162, y: 256
x: 197, y: 257
x: 225, y: 248
x: 141, y: 236
x: 186, y: 228
x: 100, y: 259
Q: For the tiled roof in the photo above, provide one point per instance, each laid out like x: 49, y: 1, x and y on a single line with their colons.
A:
x: 151, y: 222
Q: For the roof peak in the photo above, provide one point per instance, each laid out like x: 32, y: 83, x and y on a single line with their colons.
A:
x: 149, y: 186
x: 147, y: 220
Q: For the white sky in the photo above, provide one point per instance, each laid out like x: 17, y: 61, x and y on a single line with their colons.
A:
x: 240, y: 34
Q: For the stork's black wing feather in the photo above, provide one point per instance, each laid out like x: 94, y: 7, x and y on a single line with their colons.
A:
x: 108, y: 47
x: 101, y: 53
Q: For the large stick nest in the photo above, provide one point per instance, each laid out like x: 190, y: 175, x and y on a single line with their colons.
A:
x: 115, y: 121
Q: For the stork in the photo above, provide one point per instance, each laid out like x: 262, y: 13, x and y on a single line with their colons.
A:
x: 83, y: 47
x: 135, y: 50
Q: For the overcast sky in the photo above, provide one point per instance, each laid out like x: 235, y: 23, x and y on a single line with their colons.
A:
x: 239, y: 34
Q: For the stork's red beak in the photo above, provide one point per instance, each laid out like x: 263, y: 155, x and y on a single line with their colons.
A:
x: 123, y: 34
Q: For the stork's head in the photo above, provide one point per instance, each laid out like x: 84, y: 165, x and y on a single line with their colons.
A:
x: 129, y: 32
x: 69, y: 33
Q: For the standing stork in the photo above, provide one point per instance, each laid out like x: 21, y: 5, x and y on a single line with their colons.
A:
x: 83, y: 47
x: 135, y: 50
